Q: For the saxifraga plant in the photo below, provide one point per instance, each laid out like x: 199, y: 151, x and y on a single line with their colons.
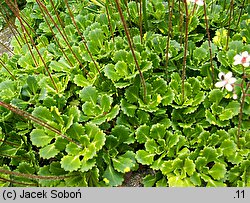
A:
x: 121, y: 114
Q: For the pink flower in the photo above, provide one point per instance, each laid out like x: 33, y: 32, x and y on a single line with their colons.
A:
x: 243, y: 59
x: 198, y: 2
x: 227, y: 81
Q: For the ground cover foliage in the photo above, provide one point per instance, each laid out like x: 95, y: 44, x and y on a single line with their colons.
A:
x: 93, y: 90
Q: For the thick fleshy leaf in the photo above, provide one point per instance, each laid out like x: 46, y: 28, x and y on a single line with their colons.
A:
x: 73, y: 149
x: 142, y: 133
x: 111, y: 73
x: 215, y: 95
x: 210, y: 154
x: 176, y: 181
x: 127, y: 108
x: 149, y: 180
x: 112, y: 177
x: 122, y: 133
x: 151, y: 146
x: 27, y: 168
x: 96, y: 135
x: 200, y: 54
x: 87, y: 165
x: 40, y: 138
x: 32, y: 84
x: 91, y: 109
x: 122, y: 164
x: 121, y: 68
x: 132, y: 94
x: 113, y: 113
x: 158, y: 131
x: 218, y: 171
x: 144, y: 157
x: 189, y: 167
x: 76, y: 131
x: 168, y: 97
x: 70, y: 163
x: 49, y: 151
x: 56, y: 169
x: 89, y: 93
x: 159, y: 86
x: 42, y: 113
x: 232, y: 109
x: 105, y: 103
x: 81, y: 81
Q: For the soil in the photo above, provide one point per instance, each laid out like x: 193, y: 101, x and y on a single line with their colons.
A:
x: 135, y: 178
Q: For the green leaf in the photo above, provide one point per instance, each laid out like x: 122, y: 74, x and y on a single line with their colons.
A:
x: 91, y: 109
x: 232, y: 109
x: 210, y: 154
x: 73, y: 149
x: 226, y: 115
x: 56, y: 169
x: 122, y: 133
x: 122, y: 164
x: 97, y: 36
x: 59, y: 66
x: 27, y: 168
x: 149, y: 180
x: 127, y: 108
x: 157, y: 131
x: 112, y: 177
x: 86, y: 165
x: 32, y: 84
x: 218, y: 171
x: 75, y: 112
x: 168, y: 97
x: 81, y: 81
x: 44, y: 171
x: 177, y: 181
x: 142, y: 133
x: 42, y: 113
x: 111, y: 73
x: 132, y: 94
x: 96, y: 136
x: 161, y: 183
x: 89, y: 93
x: 75, y: 131
x: 173, y: 139
x: 113, y: 113
x: 167, y: 167
x: 222, y: 58
x: 228, y: 147
x: 89, y: 152
x: 151, y: 146
x: 200, y: 54
x: 189, y: 166
x: 195, y: 179
x: 159, y: 86
x: 48, y: 152
x: 144, y: 157
x: 40, y: 138
x: 210, y: 117
x: 215, y: 95
x: 121, y: 68
x: 198, y: 98
x: 105, y: 103
x: 120, y: 55
x: 70, y: 163
x: 200, y: 163
x: 236, y: 158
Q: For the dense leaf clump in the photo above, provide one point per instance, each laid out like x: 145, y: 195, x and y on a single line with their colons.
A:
x: 74, y: 110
